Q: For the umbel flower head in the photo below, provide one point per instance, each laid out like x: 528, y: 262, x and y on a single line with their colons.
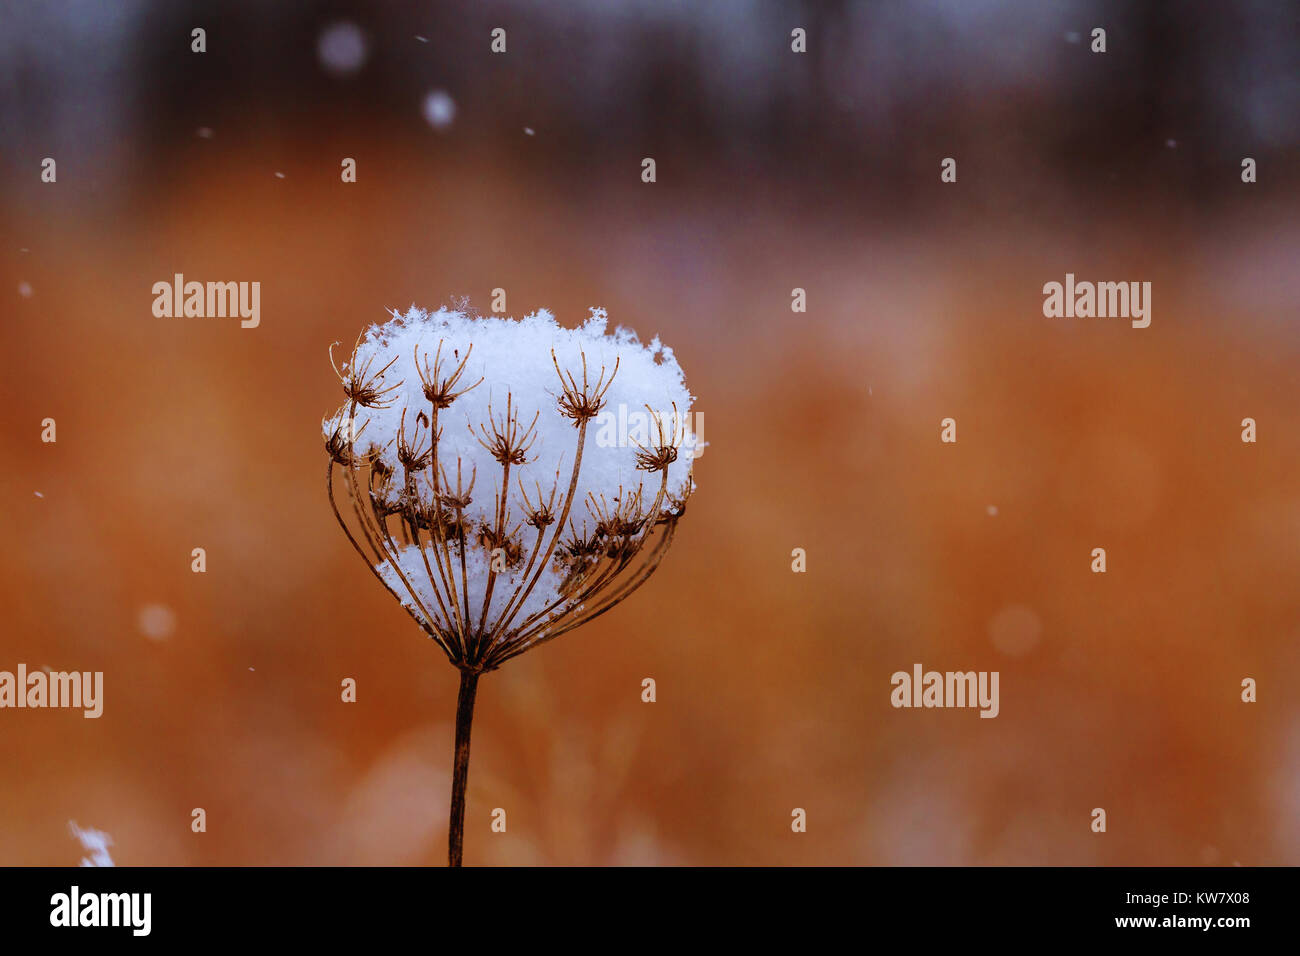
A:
x: 469, y: 469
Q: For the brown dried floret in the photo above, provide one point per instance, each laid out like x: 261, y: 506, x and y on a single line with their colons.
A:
x: 663, y: 453
x: 509, y: 545
x: 441, y: 392
x: 580, y: 405
x: 413, y: 456
x: 504, y: 439
x: 360, y: 384
x: 542, y: 514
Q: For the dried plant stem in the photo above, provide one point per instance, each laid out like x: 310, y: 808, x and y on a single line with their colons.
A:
x: 460, y: 776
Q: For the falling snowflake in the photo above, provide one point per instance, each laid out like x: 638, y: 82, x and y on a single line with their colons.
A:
x: 342, y: 48
x: 439, y: 109
x: 157, y: 622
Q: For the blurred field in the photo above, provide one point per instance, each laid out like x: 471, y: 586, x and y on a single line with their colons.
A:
x: 1118, y: 691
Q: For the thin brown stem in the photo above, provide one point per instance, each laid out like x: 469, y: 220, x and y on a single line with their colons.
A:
x: 460, y: 777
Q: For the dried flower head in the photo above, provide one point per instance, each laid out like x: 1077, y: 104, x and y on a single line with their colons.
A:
x: 446, y: 399
x: 490, y: 576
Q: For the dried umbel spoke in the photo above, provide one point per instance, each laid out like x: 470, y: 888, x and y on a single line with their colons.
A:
x: 564, y: 527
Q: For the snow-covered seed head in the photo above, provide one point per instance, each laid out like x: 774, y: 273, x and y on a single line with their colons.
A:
x: 569, y: 524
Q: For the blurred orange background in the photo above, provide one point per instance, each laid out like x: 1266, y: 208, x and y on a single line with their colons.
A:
x: 1119, y: 691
